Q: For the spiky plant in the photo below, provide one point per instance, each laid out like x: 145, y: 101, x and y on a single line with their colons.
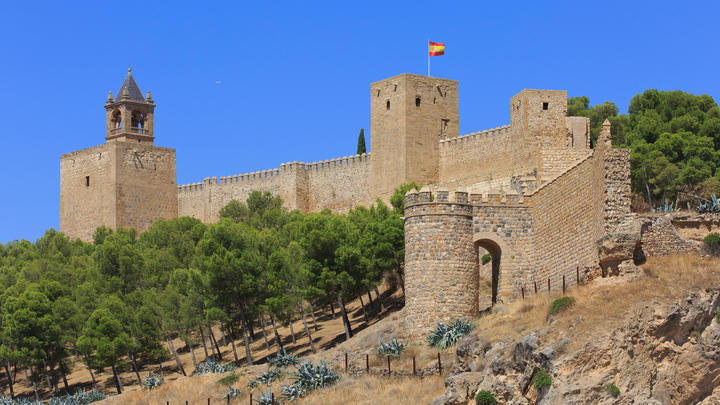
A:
x: 211, y: 366
x: 392, y: 349
x: 232, y: 392
x: 712, y: 206
x: 266, y: 398
x: 283, y: 360
x: 151, y: 382
x: 445, y: 336
x: 309, y: 377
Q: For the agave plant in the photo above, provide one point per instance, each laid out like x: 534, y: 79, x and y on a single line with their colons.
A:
x: 17, y: 401
x: 266, y: 398
x: 309, y: 377
x: 712, y: 206
x: 445, y: 336
x: 232, y: 392
x: 392, y: 349
x: 266, y: 378
x: 284, y: 360
x: 151, y: 382
x: 665, y: 208
x: 211, y: 365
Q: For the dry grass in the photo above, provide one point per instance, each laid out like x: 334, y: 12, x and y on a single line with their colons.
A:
x: 603, y: 304
x: 350, y: 389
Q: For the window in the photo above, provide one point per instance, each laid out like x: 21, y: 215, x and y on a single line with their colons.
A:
x: 387, y: 105
x: 378, y: 93
x: 417, y: 101
x: 87, y: 181
x: 545, y: 106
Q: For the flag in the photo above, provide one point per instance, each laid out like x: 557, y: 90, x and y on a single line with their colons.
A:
x: 436, y: 49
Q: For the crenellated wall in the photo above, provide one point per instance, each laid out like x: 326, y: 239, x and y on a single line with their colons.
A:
x: 338, y: 184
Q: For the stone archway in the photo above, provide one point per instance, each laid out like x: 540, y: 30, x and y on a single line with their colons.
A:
x: 495, y: 246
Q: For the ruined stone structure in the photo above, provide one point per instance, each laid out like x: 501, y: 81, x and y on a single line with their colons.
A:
x: 532, y: 194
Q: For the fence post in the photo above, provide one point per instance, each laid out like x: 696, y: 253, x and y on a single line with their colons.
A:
x: 577, y: 275
x: 563, y: 284
x: 367, y: 363
x: 346, y: 362
x: 523, y: 292
x: 272, y: 398
x: 535, y: 284
x: 388, y: 359
x: 439, y: 365
x: 414, y: 372
x: 250, y: 399
x: 208, y: 401
x: 548, y: 285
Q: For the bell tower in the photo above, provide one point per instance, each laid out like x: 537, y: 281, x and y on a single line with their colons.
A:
x: 129, y: 116
x: 126, y: 181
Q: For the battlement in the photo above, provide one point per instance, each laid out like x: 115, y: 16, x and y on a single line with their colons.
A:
x: 444, y: 197
x: 254, y: 178
x: 478, y: 136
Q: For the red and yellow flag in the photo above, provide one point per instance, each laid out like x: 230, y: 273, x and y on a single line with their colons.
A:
x: 436, y: 48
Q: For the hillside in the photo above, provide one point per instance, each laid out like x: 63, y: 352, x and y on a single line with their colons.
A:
x: 653, y: 337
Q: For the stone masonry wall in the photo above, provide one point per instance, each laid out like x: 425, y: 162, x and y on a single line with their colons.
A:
x: 479, y: 156
x: 146, y: 188
x: 83, y: 208
x: 567, y: 224
x: 441, y: 273
x: 505, y: 224
x: 337, y: 184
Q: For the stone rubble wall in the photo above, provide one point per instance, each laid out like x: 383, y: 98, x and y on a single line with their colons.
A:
x: 676, y: 233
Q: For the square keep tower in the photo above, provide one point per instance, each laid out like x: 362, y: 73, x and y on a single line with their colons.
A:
x: 410, y: 114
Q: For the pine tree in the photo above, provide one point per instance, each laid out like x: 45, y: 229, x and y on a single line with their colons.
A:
x: 361, y: 142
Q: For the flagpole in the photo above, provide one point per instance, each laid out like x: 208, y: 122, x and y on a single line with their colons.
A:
x: 427, y: 49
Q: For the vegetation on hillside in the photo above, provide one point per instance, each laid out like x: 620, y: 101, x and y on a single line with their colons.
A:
x: 674, y: 138
x: 121, y: 301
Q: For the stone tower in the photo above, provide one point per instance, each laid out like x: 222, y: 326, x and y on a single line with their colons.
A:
x: 126, y: 182
x: 410, y: 114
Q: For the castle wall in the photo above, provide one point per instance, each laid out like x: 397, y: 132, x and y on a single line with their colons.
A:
x: 441, y: 270
x: 83, y: 208
x: 568, y: 220
x: 505, y: 223
x: 479, y: 156
x: 337, y: 184
x: 146, y: 188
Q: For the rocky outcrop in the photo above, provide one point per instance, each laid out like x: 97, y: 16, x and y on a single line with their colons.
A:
x: 661, y: 355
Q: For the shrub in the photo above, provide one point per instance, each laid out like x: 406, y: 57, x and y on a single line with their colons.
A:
x: 211, y: 366
x: 445, y: 336
x: 712, y: 239
x: 232, y: 392
x: 561, y: 304
x: 541, y: 379
x: 717, y: 314
x: 486, y: 258
x: 229, y: 379
x: 283, y: 360
x: 613, y: 390
x: 485, y: 398
x: 309, y: 377
x: 392, y: 349
x: 151, y: 382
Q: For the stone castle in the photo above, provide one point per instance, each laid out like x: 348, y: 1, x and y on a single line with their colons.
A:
x: 532, y: 193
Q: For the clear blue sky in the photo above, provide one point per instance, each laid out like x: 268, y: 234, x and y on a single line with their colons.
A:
x: 245, y: 86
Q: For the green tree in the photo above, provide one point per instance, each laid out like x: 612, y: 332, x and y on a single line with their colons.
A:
x: 361, y: 142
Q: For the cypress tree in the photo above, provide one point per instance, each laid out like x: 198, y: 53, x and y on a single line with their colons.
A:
x: 361, y: 142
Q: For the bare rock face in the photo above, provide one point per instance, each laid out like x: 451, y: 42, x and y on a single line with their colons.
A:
x: 617, y: 252
x: 661, y: 355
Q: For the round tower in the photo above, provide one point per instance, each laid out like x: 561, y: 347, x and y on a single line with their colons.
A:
x: 441, y: 266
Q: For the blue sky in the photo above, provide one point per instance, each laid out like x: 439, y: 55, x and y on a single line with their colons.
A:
x: 245, y: 86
